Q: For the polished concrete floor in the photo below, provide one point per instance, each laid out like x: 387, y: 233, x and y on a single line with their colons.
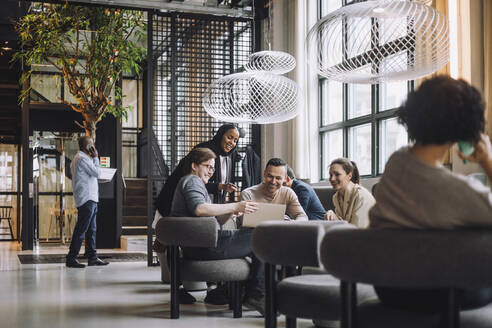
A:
x: 124, y: 294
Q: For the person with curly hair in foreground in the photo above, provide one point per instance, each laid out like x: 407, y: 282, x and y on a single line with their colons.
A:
x: 417, y: 192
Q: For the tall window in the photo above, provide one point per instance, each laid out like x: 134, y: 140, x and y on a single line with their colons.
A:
x: 358, y: 121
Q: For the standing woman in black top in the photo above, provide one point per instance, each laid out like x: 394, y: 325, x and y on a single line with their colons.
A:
x: 223, y: 144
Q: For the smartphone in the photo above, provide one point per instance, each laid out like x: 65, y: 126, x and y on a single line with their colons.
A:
x: 466, y: 148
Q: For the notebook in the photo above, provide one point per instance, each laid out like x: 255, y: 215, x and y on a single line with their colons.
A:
x: 265, y: 212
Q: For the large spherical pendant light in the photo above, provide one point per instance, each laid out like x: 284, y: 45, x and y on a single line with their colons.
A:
x: 379, y: 41
x: 252, y: 97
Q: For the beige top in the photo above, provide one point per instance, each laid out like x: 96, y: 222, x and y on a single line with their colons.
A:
x: 412, y: 194
x: 284, y: 195
x: 355, y: 205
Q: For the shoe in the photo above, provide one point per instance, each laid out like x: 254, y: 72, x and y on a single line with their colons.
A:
x: 97, y: 261
x: 217, y: 296
x: 73, y: 263
x: 255, y: 301
x: 184, y: 297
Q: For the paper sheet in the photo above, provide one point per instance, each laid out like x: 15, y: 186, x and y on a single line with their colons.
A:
x: 106, y: 175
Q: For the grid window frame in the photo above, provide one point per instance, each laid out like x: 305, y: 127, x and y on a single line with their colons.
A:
x: 375, y: 118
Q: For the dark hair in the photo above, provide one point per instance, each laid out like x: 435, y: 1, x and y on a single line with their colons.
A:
x: 348, y: 167
x: 217, y: 139
x: 443, y: 110
x: 276, y: 162
x: 83, y: 142
x: 197, y: 156
x: 290, y: 172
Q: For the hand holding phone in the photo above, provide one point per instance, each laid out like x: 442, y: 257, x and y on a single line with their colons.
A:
x: 466, y: 148
x: 92, y: 150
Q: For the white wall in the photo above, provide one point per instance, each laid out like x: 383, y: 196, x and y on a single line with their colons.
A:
x: 295, y: 141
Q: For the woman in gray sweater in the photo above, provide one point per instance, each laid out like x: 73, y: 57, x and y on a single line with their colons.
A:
x: 417, y: 192
x: 191, y: 199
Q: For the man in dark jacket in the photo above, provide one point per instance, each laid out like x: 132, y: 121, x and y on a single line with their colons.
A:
x: 306, y: 195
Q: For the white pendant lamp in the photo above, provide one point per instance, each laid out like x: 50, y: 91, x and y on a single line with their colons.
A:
x: 277, y: 62
x: 252, y: 97
x: 379, y: 41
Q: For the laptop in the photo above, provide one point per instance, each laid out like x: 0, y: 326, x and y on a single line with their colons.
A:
x: 265, y: 212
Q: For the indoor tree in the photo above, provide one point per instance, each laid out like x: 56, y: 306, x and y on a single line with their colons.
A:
x: 91, y: 46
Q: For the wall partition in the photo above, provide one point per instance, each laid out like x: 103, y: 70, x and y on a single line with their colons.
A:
x: 188, y: 52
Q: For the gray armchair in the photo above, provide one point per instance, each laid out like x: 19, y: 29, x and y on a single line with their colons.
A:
x: 450, y: 259
x: 311, y: 296
x: 199, y: 232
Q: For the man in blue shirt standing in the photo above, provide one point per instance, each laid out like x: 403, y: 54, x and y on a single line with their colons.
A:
x: 85, y: 171
x: 307, y: 196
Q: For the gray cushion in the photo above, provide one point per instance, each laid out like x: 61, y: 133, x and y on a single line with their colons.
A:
x: 218, y: 270
x: 315, y: 296
x: 288, y: 242
x: 373, y: 314
x: 409, y: 258
x: 187, y: 231
x: 325, y: 195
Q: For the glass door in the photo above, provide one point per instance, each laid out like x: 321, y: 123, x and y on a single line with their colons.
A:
x: 55, y: 213
x: 9, y: 196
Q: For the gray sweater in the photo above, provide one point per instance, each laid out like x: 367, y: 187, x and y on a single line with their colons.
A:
x: 190, y: 192
x: 412, y: 194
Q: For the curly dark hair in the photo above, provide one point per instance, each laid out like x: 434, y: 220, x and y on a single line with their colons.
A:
x: 443, y: 110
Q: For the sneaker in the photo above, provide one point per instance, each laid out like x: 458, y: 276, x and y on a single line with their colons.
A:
x: 255, y: 301
x: 184, y: 297
x: 217, y: 296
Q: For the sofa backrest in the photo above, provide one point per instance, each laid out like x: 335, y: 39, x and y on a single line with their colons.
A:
x: 325, y: 195
x: 409, y: 258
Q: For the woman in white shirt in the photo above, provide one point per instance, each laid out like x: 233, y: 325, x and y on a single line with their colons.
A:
x: 352, y: 201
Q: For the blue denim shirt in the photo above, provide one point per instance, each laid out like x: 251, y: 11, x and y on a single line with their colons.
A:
x: 85, y: 171
x: 308, y: 200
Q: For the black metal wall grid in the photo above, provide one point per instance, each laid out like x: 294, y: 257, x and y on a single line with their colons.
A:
x: 190, y: 51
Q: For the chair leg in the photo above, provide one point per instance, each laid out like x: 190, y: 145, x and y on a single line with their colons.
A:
x: 10, y: 227
x: 236, y: 294
x: 173, y: 253
x: 230, y: 294
x: 348, y: 295
x: 270, y: 301
x: 290, y: 322
x: 450, y: 317
x: 11, y: 233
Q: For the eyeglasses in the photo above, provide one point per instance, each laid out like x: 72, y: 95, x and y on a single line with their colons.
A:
x: 209, y: 167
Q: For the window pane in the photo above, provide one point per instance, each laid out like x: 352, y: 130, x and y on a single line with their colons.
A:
x: 392, y: 136
x: 394, y: 65
x: 359, y: 147
x: 392, y: 29
x: 130, y: 91
x: 332, y: 148
x: 331, y: 102
x: 358, y: 35
x: 45, y: 87
x: 393, y: 94
x: 327, y: 6
x: 359, y: 102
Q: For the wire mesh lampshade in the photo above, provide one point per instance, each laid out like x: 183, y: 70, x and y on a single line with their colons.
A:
x: 252, y: 97
x: 379, y: 41
x: 277, y: 62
